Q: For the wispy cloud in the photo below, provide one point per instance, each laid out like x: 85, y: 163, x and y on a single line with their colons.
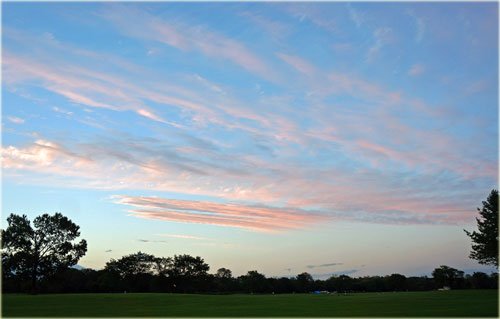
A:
x: 256, y: 218
x: 420, y: 26
x: 416, y: 70
x: 186, y: 38
x: 369, y: 195
x: 323, y: 265
x: 183, y: 236
x: 77, y: 85
x: 356, y: 16
x: 335, y: 141
x: 346, y: 272
x: 152, y: 241
x: 381, y: 37
x: 298, y: 64
x: 277, y: 29
x: 314, y: 15
x: 476, y: 87
x: 15, y: 119
x: 62, y: 111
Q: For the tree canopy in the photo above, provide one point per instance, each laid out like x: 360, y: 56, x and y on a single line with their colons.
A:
x: 37, y: 252
x: 448, y: 276
x: 485, y: 240
x: 139, y: 263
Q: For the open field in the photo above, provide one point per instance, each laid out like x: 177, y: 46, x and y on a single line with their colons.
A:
x: 465, y: 303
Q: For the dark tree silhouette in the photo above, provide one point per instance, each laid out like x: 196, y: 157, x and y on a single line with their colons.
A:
x: 254, y: 282
x: 224, y: 280
x: 138, y: 263
x: 224, y: 273
x: 448, y: 276
x: 40, y: 252
x: 485, y: 240
x: 138, y: 272
x: 480, y: 280
x: 189, y: 273
x: 304, y: 282
x: 189, y: 266
x: 396, y: 282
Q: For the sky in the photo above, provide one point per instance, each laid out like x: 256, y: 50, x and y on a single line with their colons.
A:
x: 333, y: 138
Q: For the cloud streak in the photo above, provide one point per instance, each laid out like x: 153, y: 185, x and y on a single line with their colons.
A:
x: 416, y: 69
x: 187, y: 38
x: 381, y: 36
x: 323, y: 265
x: 255, y: 218
x: 15, y: 119
x: 326, y: 138
x: 183, y: 236
x: 368, y: 196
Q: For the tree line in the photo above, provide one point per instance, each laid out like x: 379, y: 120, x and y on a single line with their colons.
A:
x: 38, y: 258
x: 141, y: 272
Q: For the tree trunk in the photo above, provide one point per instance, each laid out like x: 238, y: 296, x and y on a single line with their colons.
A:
x: 34, y: 270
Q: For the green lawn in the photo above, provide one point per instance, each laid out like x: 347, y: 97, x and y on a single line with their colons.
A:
x: 465, y: 303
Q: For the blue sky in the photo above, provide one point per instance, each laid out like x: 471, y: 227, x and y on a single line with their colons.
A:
x: 338, y: 137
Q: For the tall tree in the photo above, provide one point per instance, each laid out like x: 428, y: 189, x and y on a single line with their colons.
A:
x: 189, y: 273
x: 223, y: 279
x: 34, y: 253
x: 224, y: 273
x: 139, y: 263
x: 447, y: 276
x: 254, y: 282
x: 485, y: 240
x: 304, y: 282
x: 189, y: 266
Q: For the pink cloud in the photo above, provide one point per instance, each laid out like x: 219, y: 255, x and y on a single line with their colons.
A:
x: 99, y: 89
x: 416, y: 70
x: 188, y: 38
x: 277, y: 29
x: 42, y: 155
x: 298, y: 64
x: 341, y: 194
x: 15, y: 119
x: 476, y: 87
x: 268, y: 219
x: 386, y: 142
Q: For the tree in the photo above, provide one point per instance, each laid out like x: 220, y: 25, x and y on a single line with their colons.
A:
x: 189, y: 266
x: 485, y: 240
x: 139, y: 263
x: 254, y: 282
x: 189, y: 273
x: 396, y: 282
x: 224, y: 273
x: 223, y: 280
x: 448, y: 276
x: 480, y: 280
x: 304, y: 282
x: 140, y: 272
x: 342, y: 283
x: 34, y: 253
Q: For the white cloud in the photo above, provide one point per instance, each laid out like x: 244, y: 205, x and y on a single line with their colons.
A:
x: 416, y: 70
x: 15, y: 120
x: 382, y: 36
x: 62, y: 111
x: 356, y: 16
x: 420, y: 26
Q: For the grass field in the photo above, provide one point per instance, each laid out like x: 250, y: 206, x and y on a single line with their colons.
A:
x: 465, y: 303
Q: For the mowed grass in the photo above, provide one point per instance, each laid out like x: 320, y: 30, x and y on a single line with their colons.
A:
x: 464, y: 303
